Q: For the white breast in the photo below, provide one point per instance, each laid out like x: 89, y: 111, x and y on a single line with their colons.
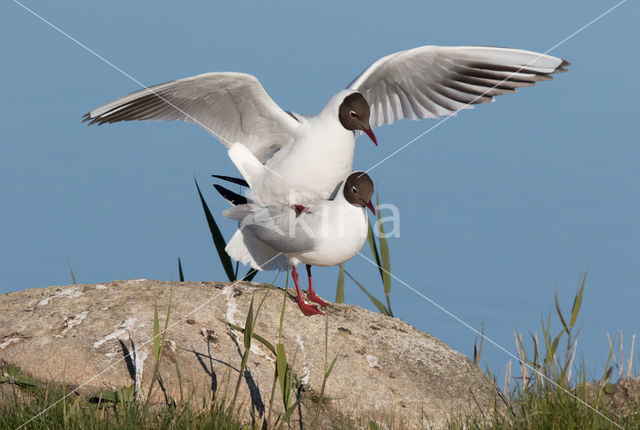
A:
x: 338, y: 236
x: 312, y: 167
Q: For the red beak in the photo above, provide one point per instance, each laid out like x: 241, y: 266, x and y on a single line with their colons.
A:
x: 371, y: 135
x: 370, y: 206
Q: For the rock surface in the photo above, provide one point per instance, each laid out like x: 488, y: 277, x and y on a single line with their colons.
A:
x: 97, y: 337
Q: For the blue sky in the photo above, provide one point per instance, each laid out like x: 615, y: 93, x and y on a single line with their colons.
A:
x: 500, y: 206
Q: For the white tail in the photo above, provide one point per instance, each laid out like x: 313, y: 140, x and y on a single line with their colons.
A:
x: 249, y: 166
x: 246, y: 249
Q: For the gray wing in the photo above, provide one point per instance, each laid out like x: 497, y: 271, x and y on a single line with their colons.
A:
x: 233, y: 107
x: 434, y: 81
x: 275, y: 225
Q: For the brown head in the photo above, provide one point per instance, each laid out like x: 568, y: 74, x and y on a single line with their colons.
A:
x: 358, y: 189
x: 354, y: 114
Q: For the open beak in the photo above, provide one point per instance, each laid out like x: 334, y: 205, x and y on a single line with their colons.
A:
x: 370, y: 206
x: 371, y: 135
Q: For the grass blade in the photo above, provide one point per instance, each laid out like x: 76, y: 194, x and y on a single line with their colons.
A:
x: 477, y: 347
x: 248, y: 334
x: 166, y: 321
x: 378, y: 304
x: 384, y: 257
x: 333, y: 362
x: 180, y: 270
x: 257, y: 337
x: 374, y: 249
x: 156, y: 332
x: 250, y: 275
x: 248, y: 326
x: 289, y: 412
x: 564, y: 324
x: 340, y: 286
x: 577, y: 301
x: 158, y: 342
x: 106, y: 396
x: 284, y: 306
x: 73, y: 275
x: 218, y: 240
x: 281, y: 366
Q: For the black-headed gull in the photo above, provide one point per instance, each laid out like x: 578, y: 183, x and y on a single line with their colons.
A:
x: 278, y: 237
x: 310, y: 154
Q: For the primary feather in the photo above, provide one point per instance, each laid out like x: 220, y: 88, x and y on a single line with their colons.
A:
x: 434, y: 81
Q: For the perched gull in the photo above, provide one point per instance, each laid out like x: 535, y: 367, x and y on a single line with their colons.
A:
x: 278, y: 236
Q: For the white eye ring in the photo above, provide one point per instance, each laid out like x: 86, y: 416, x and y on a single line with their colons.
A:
x: 353, y: 189
x: 353, y: 113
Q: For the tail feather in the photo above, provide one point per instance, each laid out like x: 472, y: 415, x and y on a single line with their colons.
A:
x: 246, y: 249
x: 249, y: 166
x: 239, y: 212
x: 244, y: 246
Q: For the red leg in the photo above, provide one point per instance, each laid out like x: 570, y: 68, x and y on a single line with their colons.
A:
x: 300, y: 209
x: 310, y: 293
x: 306, y: 309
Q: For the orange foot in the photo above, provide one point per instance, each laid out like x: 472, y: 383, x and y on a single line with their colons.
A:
x: 312, y: 296
x: 308, y: 310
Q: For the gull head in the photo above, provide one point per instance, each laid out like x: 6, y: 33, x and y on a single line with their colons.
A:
x: 354, y: 114
x: 358, y: 189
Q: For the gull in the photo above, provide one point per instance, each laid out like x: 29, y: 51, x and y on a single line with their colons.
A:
x: 277, y: 237
x: 306, y: 155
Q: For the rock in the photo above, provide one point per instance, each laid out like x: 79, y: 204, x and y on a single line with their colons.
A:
x: 99, y: 337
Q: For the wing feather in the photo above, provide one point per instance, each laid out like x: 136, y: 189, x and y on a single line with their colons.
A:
x: 275, y: 225
x: 233, y: 107
x: 433, y: 81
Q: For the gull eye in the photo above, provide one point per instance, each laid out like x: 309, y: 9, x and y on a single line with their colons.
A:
x: 353, y: 114
x: 353, y: 190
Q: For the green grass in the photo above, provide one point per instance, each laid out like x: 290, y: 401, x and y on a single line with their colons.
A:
x: 26, y: 403
x: 18, y: 408
x: 547, y: 388
x: 586, y: 406
x: 551, y: 389
x: 550, y: 410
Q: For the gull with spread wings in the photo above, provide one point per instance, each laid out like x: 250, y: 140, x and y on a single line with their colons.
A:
x: 307, y: 155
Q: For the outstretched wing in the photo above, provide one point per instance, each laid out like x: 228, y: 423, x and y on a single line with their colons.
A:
x: 434, y: 81
x: 233, y: 107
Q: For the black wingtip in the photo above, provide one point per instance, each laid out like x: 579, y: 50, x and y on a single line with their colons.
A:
x: 92, y: 120
x: 234, y: 198
x: 233, y: 180
x: 562, y: 67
